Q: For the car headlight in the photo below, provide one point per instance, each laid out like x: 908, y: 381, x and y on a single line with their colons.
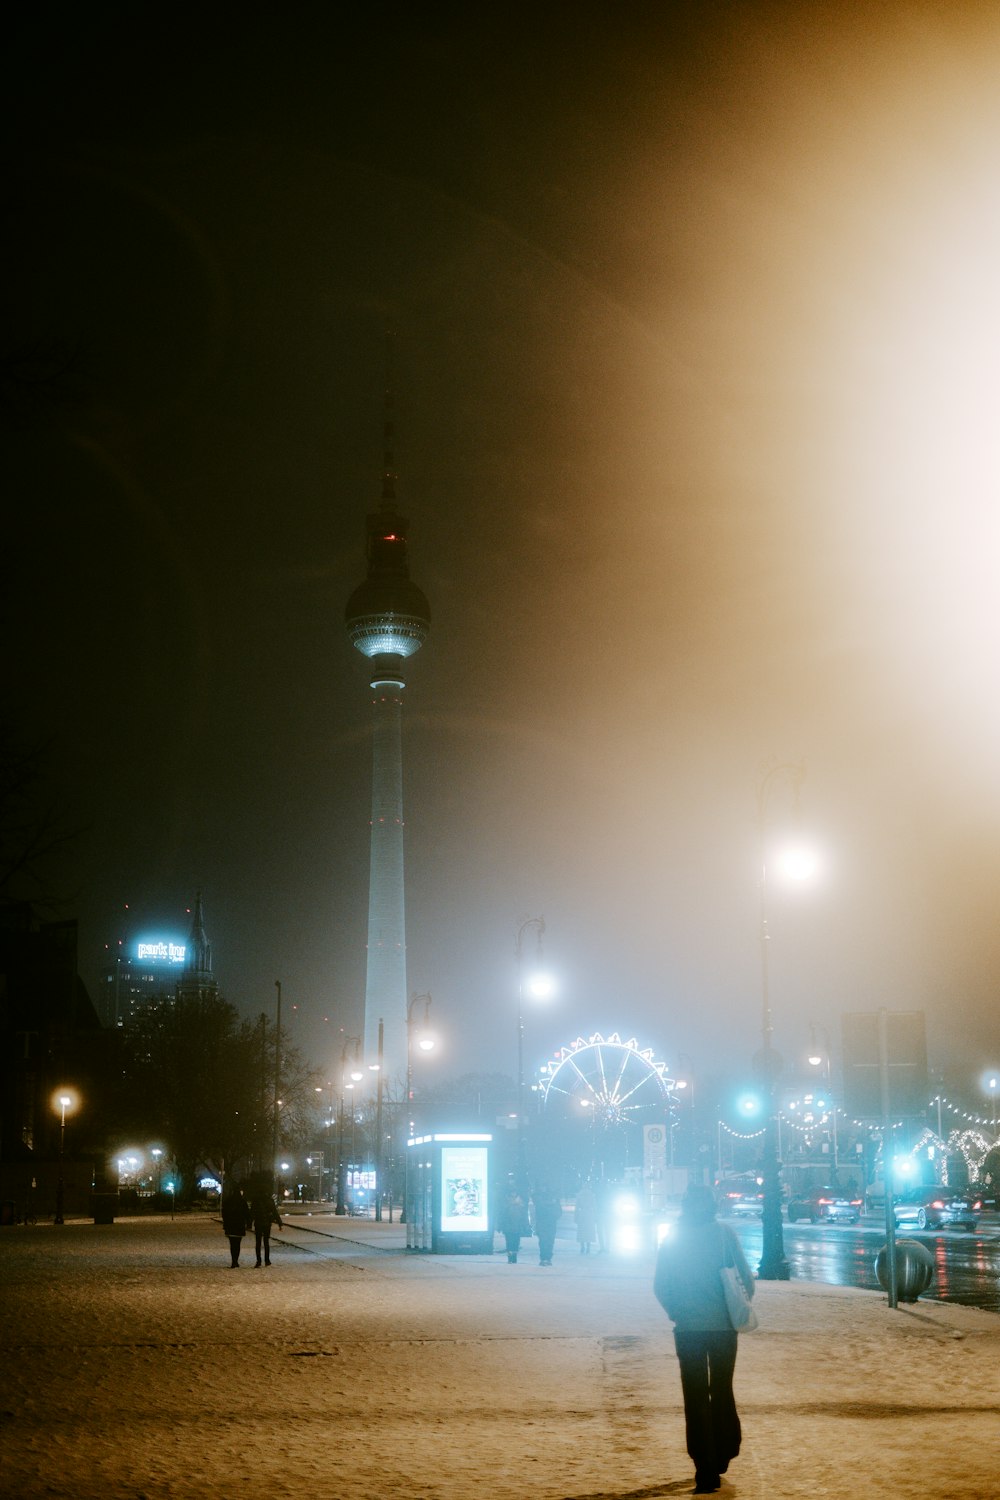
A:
x: 627, y: 1239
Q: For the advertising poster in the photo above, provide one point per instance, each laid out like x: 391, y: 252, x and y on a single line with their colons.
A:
x: 464, y: 1192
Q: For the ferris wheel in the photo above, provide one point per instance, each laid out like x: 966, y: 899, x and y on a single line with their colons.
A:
x: 614, y: 1082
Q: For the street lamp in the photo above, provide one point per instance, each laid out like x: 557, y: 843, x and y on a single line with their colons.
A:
x: 540, y: 986
x: 276, y: 1102
x: 426, y: 1044
x: 352, y: 1046
x: 684, y: 1086
x: 794, y: 863
x: 62, y: 1100
x: 820, y: 1057
x: 156, y: 1153
x: 992, y: 1084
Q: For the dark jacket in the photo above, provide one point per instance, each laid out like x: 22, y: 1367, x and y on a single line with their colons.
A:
x: 264, y: 1212
x: 547, y: 1211
x: 513, y: 1218
x: 235, y: 1214
x: 687, y: 1284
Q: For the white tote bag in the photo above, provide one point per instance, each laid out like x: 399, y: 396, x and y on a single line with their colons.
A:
x: 738, y: 1304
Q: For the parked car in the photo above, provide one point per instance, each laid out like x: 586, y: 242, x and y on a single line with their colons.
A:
x: 830, y: 1205
x: 937, y: 1207
x: 740, y: 1196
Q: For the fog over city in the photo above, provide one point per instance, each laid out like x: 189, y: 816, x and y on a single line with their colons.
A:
x: 696, y: 319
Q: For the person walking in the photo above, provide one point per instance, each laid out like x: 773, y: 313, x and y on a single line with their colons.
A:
x: 263, y: 1213
x: 513, y: 1222
x: 235, y: 1219
x: 547, y: 1209
x: 586, y: 1218
x: 688, y: 1286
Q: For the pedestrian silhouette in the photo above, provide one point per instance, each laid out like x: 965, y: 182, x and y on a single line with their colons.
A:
x: 235, y: 1219
x: 547, y: 1209
x: 688, y: 1286
x: 263, y: 1213
x: 513, y: 1222
x: 586, y: 1218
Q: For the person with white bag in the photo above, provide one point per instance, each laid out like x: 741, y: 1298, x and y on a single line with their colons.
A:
x: 688, y: 1284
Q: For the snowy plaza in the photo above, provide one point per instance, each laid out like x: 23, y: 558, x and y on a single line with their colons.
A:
x: 138, y: 1366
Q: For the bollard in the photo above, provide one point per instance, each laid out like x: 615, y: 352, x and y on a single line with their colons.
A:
x: 914, y: 1269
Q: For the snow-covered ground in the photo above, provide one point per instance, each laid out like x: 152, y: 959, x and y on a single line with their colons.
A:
x: 137, y: 1364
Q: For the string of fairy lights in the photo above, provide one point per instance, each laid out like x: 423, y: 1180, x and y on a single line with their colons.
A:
x: 969, y: 1140
x: 820, y: 1121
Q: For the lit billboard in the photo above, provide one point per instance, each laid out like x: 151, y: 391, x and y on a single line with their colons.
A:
x: 465, y: 1206
x: 163, y: 952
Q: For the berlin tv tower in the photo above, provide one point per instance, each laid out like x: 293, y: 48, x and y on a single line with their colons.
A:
x: 387, y: 619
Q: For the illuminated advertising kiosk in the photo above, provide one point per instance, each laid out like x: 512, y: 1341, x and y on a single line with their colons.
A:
x: 448, y: 1208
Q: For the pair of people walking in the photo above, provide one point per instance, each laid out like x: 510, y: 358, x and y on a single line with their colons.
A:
x: 688, y: 1286
x: 239, y: 1215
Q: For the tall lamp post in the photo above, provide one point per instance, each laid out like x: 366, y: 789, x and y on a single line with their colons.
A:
x: 275, y: 1103
x: 684, y: 1086
x: 377, y: 1067
x: 540, y: 986
x: 63, y: 1101
x: 820, y: 1057
x: 426, y: 1044
x: 352, y: 1045
x: 797, y: 865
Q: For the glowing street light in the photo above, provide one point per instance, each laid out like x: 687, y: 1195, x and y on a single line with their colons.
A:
x: 540, y: 986
x: 62, y: 1100
x: 352, y: 1048
x: 794, y: 862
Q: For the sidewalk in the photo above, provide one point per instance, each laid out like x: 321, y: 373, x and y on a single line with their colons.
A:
x: 137, y: 1364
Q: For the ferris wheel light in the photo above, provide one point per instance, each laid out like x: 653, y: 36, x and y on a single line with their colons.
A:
x: 612, y: 1082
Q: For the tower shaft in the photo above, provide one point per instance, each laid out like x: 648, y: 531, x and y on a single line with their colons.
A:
x: 385, y: 984
x: 387, y: 619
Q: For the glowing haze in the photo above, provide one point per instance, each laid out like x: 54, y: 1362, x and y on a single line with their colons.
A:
x: 697, y: 345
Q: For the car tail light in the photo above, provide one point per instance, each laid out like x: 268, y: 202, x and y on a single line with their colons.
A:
x: 855, y: 1202
x: 937, y: 1203
x: 977, y: 1205
x: 824, y: 1200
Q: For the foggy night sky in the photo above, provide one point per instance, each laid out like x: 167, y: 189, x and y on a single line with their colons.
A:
x: 697, y: 327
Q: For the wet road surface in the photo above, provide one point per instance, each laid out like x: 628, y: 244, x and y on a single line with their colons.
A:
x: 966, y: 1265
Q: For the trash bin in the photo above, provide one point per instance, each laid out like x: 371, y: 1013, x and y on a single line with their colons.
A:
x: 103, y: 1207
x: 914, y: 1269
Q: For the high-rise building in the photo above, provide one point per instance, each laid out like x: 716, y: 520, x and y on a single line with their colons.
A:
x: 153, y: 969
x: 387, y: 619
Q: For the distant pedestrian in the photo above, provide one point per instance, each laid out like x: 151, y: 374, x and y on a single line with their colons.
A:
x: 235, y: 1219
x: 586, y: 1218
x: 263, y: 1213
x: 688, y: 1286
x: 513, y: 1222
x: 547, y: 1209
x: 604, y: 1194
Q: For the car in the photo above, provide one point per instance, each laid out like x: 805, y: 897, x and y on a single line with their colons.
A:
x: 829, y: 1205
x: 937, y: 1208
x: 740, y: 1197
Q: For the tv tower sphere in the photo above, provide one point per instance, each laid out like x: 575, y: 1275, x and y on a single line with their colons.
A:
x: 387, y: 619
x: 387, y: 616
